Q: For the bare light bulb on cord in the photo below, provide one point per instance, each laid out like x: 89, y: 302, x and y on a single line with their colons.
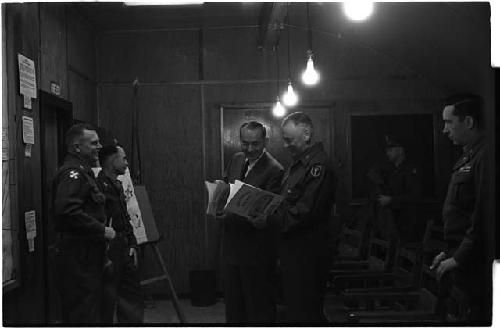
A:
x: 278, y: 109
x: 290, y: 98
x: 310, y: 75
x: 358, y: 10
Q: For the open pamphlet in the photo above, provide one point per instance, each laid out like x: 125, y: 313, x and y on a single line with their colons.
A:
x: 218, y: 193
x: 241, y: 199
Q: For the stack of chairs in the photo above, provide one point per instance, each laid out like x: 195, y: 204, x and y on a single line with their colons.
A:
x: 376, y: 258
x: 353, y: 246
x: 407, y: 293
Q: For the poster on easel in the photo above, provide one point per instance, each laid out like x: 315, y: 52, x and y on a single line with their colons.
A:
x: 133, y: 208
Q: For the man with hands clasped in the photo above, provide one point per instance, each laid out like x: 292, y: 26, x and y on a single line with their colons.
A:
x: 466, y: 256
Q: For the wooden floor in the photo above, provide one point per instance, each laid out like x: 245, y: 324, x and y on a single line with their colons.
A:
x: 162, y: 311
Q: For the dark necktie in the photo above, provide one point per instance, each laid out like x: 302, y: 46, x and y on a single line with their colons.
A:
x: 244, y: 170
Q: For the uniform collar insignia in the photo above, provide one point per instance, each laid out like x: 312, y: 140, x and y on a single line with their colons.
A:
x: 73, y: 174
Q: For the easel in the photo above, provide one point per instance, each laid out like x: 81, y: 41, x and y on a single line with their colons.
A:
x: 164, y: 276
x: 153, y: 240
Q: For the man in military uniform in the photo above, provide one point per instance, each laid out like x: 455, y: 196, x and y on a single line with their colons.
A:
x: 249, y: 250
x: 122, y: 285
x: 401, y: 187
x: 465, y: 226
x: 305, y: 251
x: 80, y: 222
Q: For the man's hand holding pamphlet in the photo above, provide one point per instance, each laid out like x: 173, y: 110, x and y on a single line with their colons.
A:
x: 218, y: 192
x: 241, y: 199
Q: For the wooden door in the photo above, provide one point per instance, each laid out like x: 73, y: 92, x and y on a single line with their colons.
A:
x: 55, y: 119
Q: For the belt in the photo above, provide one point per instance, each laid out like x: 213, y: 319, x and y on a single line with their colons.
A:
x: 62, y: 236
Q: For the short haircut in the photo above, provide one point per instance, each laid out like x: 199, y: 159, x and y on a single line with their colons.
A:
x: 254, y: 125
x: 107, y: 151
x: 76, y: 132
x: 466, y: 105
x: 298, y: 118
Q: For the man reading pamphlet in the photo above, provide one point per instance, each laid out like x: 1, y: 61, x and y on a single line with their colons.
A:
x: 252, y: 181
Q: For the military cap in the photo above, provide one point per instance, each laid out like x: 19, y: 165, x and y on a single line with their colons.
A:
x: 392, y: 141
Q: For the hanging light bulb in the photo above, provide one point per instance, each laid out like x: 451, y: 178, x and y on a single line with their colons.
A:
x: 290, y: 98
x: 358, y: 10
x: 278, y: 109
x: 310, y: 75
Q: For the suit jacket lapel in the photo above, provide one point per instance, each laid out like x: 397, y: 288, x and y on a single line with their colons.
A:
x: 257, y: 168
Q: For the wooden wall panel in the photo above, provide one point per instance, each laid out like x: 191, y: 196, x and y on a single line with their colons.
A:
x: 39, y: 31
x: 82, y: 67
x: 231, y: 54
x: 53, y: 66
x: 115, y: 113
x: 82, y: 93
x: 150, y: 56
x: 172, y: 165
x: 171, y: 136
x: 25, y: 304
x: 81, y: 46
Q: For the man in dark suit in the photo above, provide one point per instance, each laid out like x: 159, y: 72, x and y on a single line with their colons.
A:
x: 249, y: 250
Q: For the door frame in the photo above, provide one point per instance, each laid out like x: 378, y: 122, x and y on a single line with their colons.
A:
x: 65, y: 108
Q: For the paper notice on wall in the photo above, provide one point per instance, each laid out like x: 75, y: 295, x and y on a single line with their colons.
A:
x: 28, y: 130
x: 27, y: 150
x: 30, y: 222
x: 133, y: 208
x: 27, y: 76
x: 5, y: 144
x: 27, y: 102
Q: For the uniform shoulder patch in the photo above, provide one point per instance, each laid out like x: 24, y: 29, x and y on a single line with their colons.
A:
x: 316, y: 170
x: 73, y: 174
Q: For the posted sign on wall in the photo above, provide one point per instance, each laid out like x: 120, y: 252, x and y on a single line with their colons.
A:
x: 27, y: 79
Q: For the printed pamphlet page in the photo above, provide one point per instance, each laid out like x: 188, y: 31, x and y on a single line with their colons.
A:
x: 241, y: 199
x: 218, y: 192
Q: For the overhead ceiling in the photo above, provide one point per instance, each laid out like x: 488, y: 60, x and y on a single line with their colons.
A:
x: 447, y: 43
x: 117, y: 16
